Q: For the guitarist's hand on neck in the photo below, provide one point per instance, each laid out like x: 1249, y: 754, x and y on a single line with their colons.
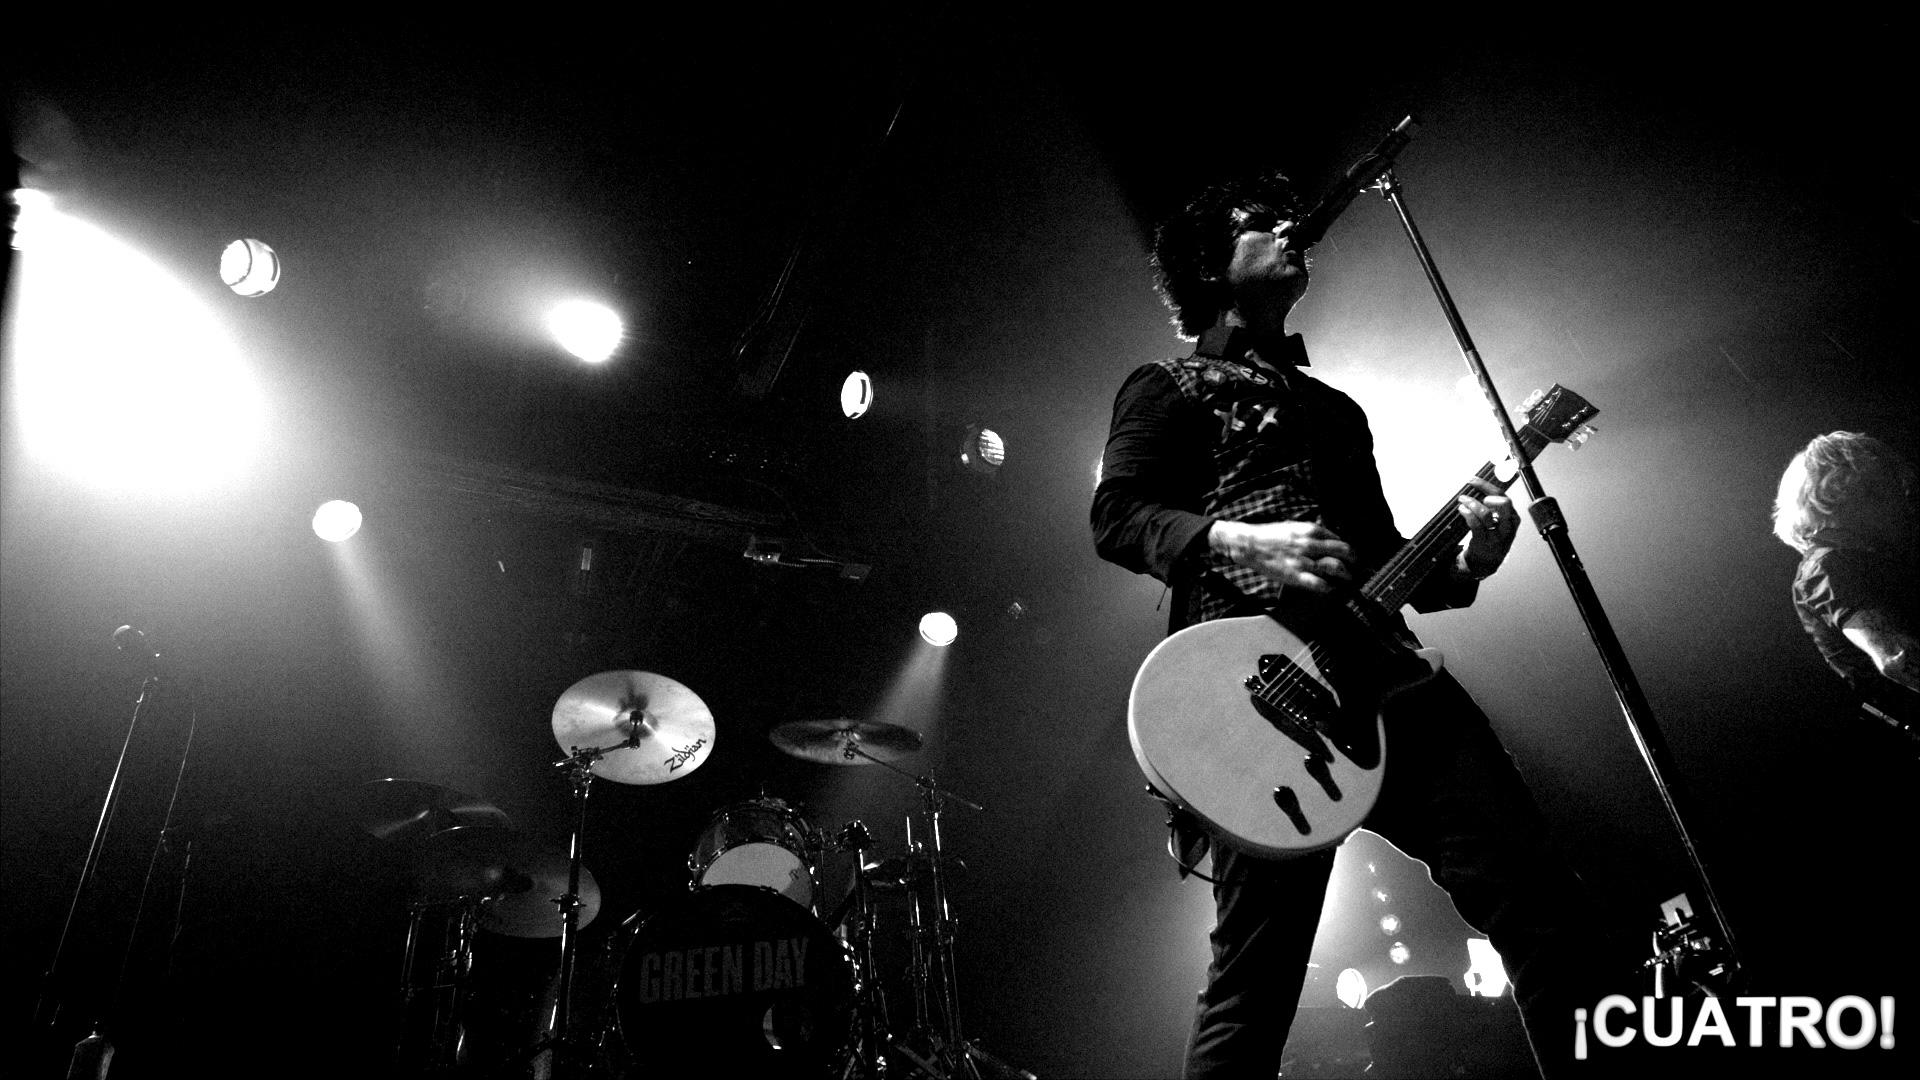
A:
x: 1295, y: 554
x: 1493, y: 522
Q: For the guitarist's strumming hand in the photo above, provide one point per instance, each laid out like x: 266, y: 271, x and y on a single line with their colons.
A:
x: 1493, y: 522
x: 1295, y: 554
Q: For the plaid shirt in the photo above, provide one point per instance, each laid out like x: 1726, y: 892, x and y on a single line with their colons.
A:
x: 1215, y: 436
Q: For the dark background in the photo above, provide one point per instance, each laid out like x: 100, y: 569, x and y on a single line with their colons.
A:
x: 1708, y: 232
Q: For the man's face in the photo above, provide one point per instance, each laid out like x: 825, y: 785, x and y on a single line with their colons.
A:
x: 1266, y: 273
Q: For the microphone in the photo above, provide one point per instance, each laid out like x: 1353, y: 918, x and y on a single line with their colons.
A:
x: 1308, y: 231
x: 133, y: 643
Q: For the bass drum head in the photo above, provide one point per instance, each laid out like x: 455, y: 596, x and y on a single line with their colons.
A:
x: 736, y: 980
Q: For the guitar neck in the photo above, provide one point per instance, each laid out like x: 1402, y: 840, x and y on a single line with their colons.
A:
x: 1439, y: 538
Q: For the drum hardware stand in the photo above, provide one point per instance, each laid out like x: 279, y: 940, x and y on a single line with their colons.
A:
x: 951, y: 1054
x: 449, y: 981
x: 870, y: 1012
x: 578, y: 765
x: 1552, y: 524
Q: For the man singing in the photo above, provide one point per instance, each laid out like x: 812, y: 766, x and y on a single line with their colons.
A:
x: 1249, y: 487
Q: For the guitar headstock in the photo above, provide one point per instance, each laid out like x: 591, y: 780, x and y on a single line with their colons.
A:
x: 1558, y: 414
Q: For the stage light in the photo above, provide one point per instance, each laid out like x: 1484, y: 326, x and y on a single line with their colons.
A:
x: 1378, y: 894
x: 587, y: 330
x: 983, y: 450
x: 124, y: 378
x: 1399, y: 953
x: 1351, y: 988
x: 336, y: 520
x: 856, y: 395
x: 1389, y: 924
x: 250, y: 267
x: 939, y: 628
x: 1486, y: 976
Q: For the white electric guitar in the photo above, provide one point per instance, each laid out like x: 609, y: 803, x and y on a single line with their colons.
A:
x: 1275, y: 740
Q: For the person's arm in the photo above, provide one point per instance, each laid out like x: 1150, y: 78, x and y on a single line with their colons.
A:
x: 1145, y: 510
x: 1894, y: 648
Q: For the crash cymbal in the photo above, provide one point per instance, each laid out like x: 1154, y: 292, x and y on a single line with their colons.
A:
x: 827, y: 741
x: 408, y: 811
x: 661, y: 729
x: 518, y: 876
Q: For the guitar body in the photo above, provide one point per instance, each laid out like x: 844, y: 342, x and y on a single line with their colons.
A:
x: 1236, y: 721
x: 1204, y: 743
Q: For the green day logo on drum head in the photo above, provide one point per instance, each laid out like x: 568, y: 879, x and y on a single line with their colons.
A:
x: 718, y: 970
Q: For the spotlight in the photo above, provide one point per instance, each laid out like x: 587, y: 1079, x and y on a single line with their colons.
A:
x: 983, y: 450
x: 1351, y: 988
x: 856, y: 395
x: 1380, y: 894
x: 250, y: 267
x: 938, y: 628
x: 1389, y: 924
x: 587, y: 330
x: 1399, y: 953
x: 336, y: 520
x: 122, y: 377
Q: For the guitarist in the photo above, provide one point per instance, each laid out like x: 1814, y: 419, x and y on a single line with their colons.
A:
x: 1248, y: 486
x: 1846, y: 504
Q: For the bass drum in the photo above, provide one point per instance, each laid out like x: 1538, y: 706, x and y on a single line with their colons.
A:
x: 736, y: 980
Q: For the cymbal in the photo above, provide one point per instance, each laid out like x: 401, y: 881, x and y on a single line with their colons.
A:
x: 408, y: 811
x: 827, y: 741
x: 518, y: 875
x: 673, y: 728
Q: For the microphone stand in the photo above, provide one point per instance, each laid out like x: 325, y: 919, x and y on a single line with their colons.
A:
x: 1547, y: 518
x: 47, y: 1009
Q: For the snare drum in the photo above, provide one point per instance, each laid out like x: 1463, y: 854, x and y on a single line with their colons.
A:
x: 761, y: 842
x: 734, y: 980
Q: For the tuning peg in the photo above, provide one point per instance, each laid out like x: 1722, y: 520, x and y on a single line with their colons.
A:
x: 1532, y: 400
x: 1580, y: 436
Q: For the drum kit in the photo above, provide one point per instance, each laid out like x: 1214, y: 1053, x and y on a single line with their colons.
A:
x: 753, y: 971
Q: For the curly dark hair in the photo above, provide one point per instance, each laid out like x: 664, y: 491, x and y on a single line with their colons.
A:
x: 1833, y: 474
x: 1193, y: 245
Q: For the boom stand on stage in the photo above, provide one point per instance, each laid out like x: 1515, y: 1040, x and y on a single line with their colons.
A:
x: 1724, y: 968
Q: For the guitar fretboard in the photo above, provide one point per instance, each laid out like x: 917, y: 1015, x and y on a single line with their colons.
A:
x: 1438, y: 539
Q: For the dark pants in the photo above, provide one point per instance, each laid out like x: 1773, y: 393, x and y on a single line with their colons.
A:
x: 1453, y: 800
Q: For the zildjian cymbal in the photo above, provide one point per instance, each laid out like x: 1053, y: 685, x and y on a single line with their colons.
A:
x: 831, y: 742
x: 518, y: 876
x: 408, y: 811
x: 650, y: 728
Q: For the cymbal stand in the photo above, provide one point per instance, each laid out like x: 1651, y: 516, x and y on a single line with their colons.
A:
x: 932, y: 946
x: 578, y: 765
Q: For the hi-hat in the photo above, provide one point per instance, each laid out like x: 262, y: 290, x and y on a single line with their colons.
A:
x: 844, y: 741
x: 517, y: 875
x: 408, y: 811
x: 650, y: 728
